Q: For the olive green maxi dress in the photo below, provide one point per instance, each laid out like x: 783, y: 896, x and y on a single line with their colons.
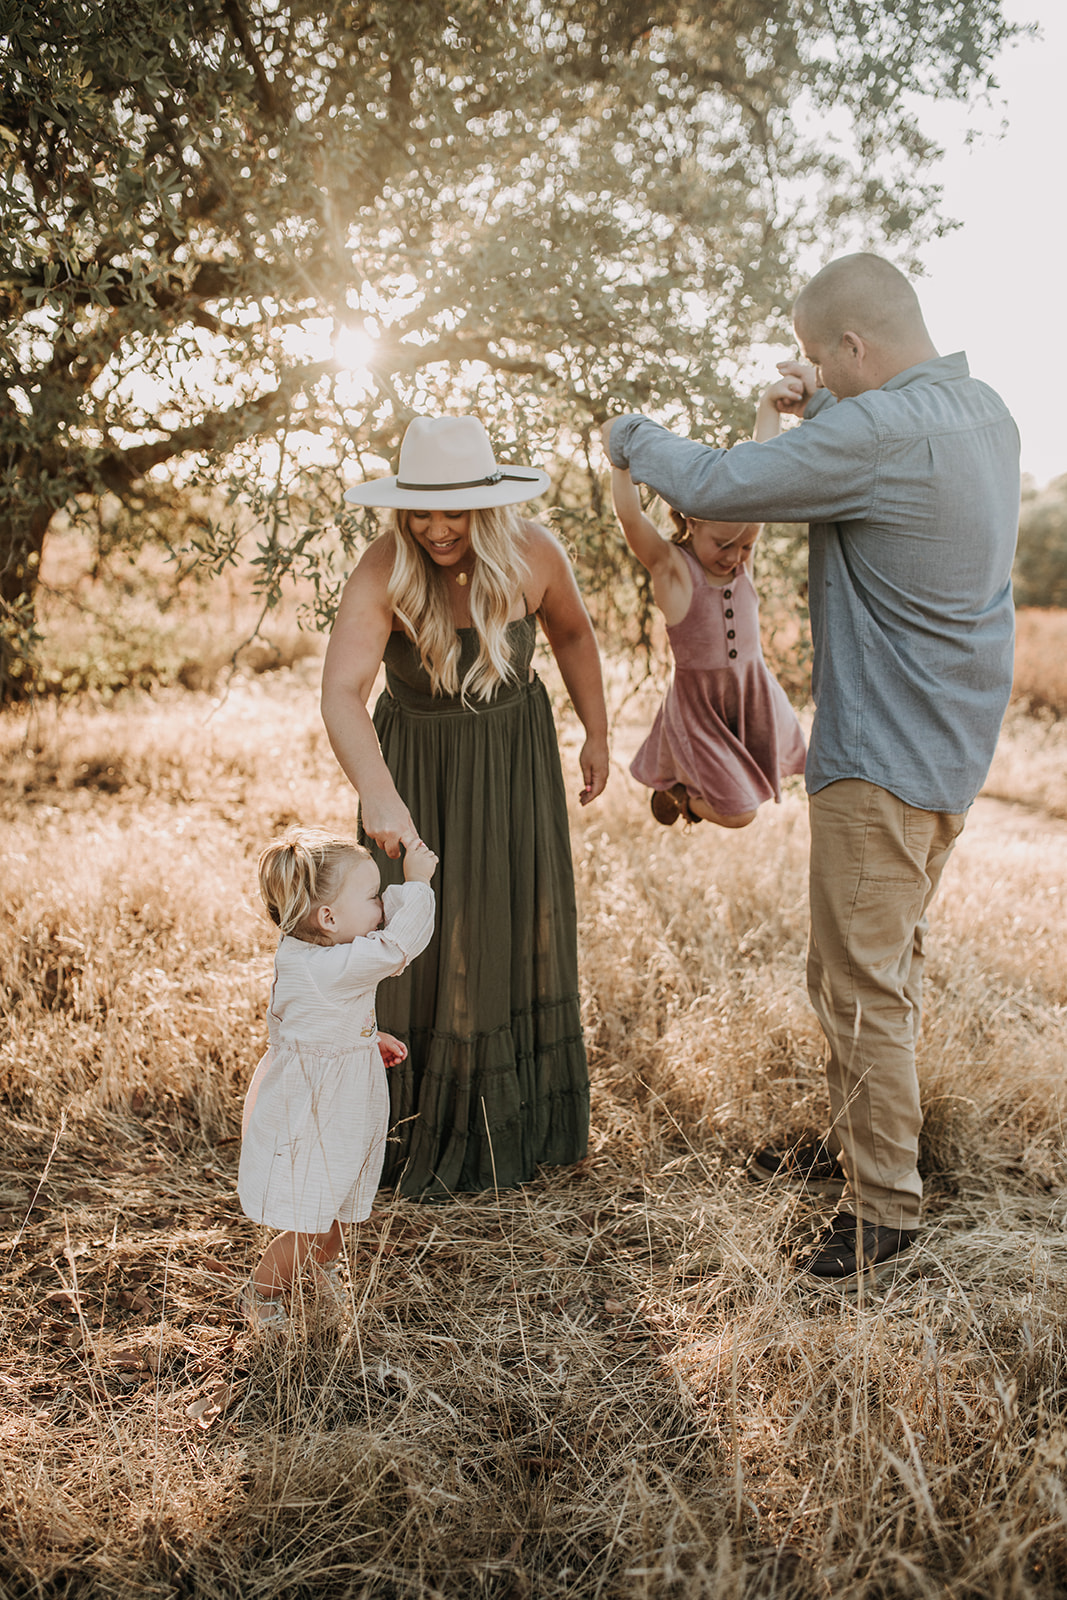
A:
x: 496, y: 1078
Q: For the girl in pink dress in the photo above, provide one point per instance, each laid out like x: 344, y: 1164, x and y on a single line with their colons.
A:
x: 725, y: 734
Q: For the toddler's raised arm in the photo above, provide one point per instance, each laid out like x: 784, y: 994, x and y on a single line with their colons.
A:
x: 420, y: 863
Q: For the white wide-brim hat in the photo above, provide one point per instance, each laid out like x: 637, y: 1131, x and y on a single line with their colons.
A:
x: 447, y: 464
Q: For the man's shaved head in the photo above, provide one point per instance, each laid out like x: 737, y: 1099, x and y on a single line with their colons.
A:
x: 859, y: 322
x: 863, y: 294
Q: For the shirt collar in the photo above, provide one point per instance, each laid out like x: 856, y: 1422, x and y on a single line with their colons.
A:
x: 939, y: 369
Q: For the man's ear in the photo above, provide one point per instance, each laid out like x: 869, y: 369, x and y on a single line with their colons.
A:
x: 855, y: 345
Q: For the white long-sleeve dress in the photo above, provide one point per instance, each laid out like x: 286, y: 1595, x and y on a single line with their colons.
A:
x: 317, y: 1109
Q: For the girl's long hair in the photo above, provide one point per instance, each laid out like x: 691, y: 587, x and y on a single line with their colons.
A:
x: 418, y: 594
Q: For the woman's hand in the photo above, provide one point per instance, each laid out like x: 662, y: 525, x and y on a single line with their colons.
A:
x: 594, y: 763
x: 387, y: 820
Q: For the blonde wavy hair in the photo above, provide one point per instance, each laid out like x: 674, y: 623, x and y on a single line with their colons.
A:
x: 301, y: 872
x: 419, y: 596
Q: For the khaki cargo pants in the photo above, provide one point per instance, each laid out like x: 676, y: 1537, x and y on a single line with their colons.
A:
x: 875, y: 866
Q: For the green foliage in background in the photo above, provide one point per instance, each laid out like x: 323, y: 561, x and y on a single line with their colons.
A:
x: 1040, y: 575
x: 541, y: 211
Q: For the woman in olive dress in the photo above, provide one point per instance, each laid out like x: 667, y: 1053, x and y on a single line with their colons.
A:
x: 462, y: 752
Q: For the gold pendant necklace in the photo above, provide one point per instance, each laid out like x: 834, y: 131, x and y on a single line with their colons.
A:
x: 461, y: 579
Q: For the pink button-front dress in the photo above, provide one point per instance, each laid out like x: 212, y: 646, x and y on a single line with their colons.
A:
x: 725, y: 728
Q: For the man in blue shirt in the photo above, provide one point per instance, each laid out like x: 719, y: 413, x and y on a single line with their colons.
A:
x: 907, y: 470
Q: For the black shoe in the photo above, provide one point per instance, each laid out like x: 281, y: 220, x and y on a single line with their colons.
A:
x: 845, y: 1249
x: 809, y: 1165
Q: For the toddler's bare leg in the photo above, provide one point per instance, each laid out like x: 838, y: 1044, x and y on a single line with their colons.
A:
x: 288, y: 1253
x: 328, y: 1246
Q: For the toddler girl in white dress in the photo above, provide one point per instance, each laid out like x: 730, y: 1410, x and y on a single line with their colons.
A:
x: 317, y: 1110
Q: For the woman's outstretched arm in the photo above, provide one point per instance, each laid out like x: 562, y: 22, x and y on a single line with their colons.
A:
x: 354, y: 654
x: 573, y: 643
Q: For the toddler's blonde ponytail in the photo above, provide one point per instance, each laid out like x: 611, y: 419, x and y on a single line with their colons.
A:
x: 301, y: 872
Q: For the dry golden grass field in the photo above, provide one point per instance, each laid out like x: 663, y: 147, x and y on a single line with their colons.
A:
x: 606, y: 1386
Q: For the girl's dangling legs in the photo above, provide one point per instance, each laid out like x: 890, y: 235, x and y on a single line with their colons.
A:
x: 681, y: 801
x: 700, y: 808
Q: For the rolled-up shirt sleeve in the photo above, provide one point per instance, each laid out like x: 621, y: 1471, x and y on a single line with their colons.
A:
x: 823, y: 471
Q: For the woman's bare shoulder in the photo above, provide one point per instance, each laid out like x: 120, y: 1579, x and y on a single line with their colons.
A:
x: 377, y: 558
x: 369, y: 578
x: 545, y: 558
x: 541, y: 548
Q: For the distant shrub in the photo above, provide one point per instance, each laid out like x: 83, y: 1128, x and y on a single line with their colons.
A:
x: 1040, y: 573
x: 1041, y: 661
x: 131, y: 620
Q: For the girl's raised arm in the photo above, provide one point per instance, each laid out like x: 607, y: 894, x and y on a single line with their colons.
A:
x: 672, y: 587
x: 354, y: 654
x: 640, y: 532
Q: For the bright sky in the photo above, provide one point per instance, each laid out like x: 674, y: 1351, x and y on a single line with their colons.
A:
x: 997, y: 286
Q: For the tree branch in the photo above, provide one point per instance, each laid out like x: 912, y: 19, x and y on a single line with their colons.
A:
x: 217, y: 431
x: 268, y: 99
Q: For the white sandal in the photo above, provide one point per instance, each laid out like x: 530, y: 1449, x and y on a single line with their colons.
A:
x: 262, y: 1310
x: 331, y: 1277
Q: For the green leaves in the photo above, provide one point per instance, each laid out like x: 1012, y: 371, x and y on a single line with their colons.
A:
x: 546, y: 212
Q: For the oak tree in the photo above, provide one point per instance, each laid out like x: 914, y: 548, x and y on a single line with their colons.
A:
x: 536, y: 209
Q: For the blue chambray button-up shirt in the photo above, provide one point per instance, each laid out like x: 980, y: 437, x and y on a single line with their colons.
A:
x: 912, y: 494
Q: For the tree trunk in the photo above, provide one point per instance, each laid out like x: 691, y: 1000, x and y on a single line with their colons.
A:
x: 22, y: 534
